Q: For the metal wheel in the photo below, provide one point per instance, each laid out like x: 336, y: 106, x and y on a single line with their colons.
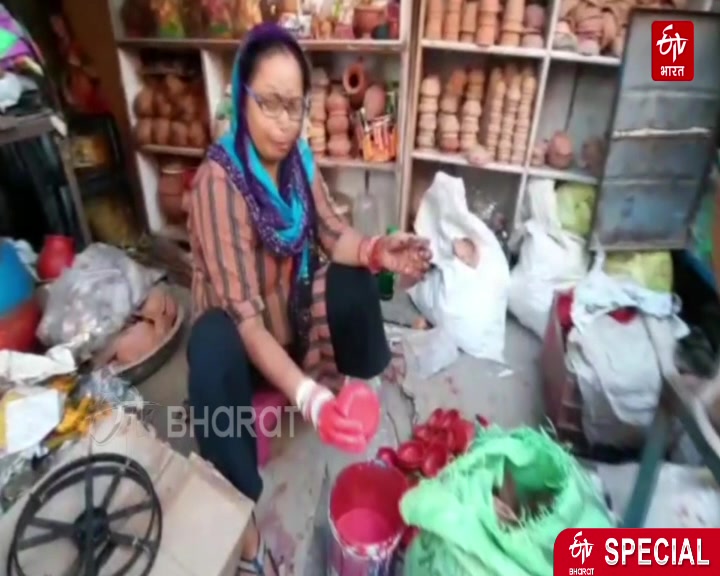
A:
x: 98, y: 531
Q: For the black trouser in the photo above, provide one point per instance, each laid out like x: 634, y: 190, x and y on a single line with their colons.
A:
x: 221, y: 377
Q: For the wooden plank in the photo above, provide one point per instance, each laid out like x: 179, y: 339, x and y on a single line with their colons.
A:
x: 220, y: 44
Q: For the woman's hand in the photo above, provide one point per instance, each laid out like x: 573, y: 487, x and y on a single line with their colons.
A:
x: 402, y: 253
x: 319, y: 406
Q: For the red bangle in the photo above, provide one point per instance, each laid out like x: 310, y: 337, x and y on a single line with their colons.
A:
x: 375, y: 260
x: 368, y: 254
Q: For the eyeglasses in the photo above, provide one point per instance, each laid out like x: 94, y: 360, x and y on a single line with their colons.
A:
x: 273, y: 105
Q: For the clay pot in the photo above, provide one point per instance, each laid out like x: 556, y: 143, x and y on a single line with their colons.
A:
x: 338, y: 124
x: 337, y: 103
x: 430, y: 87
x: 135, y: 343
x: 161, y: 131
x: 366, y: 18
x: 534, y: 18
x: 58, y: 253
x: 355, y: 83
x: 339, y: 146
x: 560, y: 151
x: 532, y: 41
x: 144, y: 131
x: 374, y: 101
x: 143, y: 105
x: 170, y: 192
x: 178, y: 134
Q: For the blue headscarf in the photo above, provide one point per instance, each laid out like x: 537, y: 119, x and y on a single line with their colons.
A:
x: 284, y: 214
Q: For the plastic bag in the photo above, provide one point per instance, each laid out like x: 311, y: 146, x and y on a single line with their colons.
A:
x: 469, y: 303
x: 461, y: 533
x: 94, y: 299
x: 575, y: 205
x: 651, y: 270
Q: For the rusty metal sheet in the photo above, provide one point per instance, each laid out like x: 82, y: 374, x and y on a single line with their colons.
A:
x: 661, y: 142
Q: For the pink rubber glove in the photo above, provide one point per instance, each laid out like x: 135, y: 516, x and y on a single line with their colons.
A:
x: 319, y: 406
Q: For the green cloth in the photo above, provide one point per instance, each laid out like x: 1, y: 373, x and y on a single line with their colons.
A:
x: 460, y: 532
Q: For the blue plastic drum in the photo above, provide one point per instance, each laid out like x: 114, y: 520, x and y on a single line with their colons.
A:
x: 16, y: 283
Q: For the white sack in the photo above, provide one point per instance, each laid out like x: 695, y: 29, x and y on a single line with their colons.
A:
x: 549, y: 261
x: 470, y: 304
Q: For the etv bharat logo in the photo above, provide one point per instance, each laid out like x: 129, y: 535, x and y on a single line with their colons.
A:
x: 667, y: 43
x: 580, y: 549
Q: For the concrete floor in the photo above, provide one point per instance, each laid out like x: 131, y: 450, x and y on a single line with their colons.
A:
x: 292, y: 509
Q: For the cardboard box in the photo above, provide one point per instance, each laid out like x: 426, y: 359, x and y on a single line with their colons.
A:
x: 203, y: 520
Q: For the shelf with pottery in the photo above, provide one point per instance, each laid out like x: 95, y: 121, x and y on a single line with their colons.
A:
x: 165, y: 149
x: 513, y: 89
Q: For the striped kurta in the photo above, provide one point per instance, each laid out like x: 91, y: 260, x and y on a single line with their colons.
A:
x: 232, y: 269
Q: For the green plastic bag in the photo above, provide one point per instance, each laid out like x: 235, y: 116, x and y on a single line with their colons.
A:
x: 652, y: 270
x: 460, y: 533
x: 575, y: 205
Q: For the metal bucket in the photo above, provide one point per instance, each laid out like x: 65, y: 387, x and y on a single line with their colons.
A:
x: 365, y: 521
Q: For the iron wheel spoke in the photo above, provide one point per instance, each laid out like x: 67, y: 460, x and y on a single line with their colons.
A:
x: 112, y: 488
x: 129, y: 511
x: 130, y: 541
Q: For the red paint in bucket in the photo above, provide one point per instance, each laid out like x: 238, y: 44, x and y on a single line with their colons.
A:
x: 365, y: 521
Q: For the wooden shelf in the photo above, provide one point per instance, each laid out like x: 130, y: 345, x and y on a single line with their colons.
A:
x: 172, y: 151
x: 460, y: 160
x: 571, y: 175
x: 566, y: 56
x: 354, y: 163
x: 469, y: 47
x: 232, y: 44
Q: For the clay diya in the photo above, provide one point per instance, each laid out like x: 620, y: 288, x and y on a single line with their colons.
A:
x: 410, y: 455
x: 388, y: 456
x: 435, y: 459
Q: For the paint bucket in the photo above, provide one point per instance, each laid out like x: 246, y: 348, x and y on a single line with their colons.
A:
x: 365, y: 521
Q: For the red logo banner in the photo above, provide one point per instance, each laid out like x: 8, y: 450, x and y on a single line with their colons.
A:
x: 654, y: 551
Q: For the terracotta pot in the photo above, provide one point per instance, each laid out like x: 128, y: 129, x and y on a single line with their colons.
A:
x: 367, y: 18
x: 338, y: 124
x: 374, y: 101
x: 355, y: 83
x: 339, y: 146
x: 57, y: 254
x: 337, y: 104
x: 170, y: 192
x: 17, y: 328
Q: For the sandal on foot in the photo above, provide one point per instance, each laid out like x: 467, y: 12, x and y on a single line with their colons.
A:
x: 256, y: 566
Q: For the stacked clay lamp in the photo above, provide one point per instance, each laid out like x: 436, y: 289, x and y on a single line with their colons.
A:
x: 450, y: 102
x: 494, y: 106
x: 171, y: 111
x: 593, y: 27
x: 468, y: 23
x: 534, y: 23
x: 508, y: 114
x: 451, y: 21
x: 472, y: 110
x: 338, y: 124
x: 528, y: 90
x: 434, y: 20
x: 429, y: 105
x: 511, y: 29
x: 317, y: 136
x: 487, y: 27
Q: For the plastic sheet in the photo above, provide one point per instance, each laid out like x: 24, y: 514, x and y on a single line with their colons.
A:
x: 93, y: 300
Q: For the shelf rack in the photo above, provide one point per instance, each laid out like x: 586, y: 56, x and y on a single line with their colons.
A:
x: 352, y: 177
x: 580, y: 87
